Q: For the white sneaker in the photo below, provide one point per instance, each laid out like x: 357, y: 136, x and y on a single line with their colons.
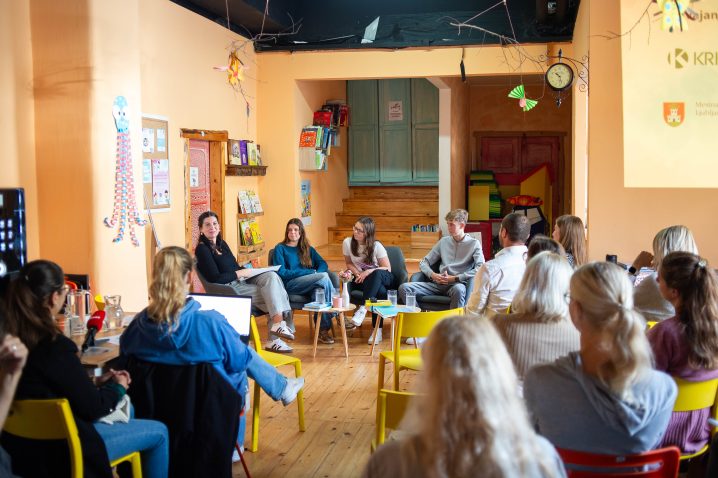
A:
x: 378, y: 338
x: 294, y: 385
x: 278, y: 345
x: 419, y: 341
x: 280, y: 329
x: 235, y: 455
x: 358, y: 316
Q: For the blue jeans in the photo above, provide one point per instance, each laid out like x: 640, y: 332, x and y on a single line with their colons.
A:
x: 149, y: 437
x: 268, y: 380
x: 307, y: 284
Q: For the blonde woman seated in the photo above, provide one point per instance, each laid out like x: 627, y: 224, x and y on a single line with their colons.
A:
x: 570, y: 233
x: 606, y: 398
x: 539, y: 329
x: 646, y: 295
x: 468, y: 420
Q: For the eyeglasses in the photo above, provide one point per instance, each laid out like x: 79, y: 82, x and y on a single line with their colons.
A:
x: 65, y: 289
x: 356, y: 229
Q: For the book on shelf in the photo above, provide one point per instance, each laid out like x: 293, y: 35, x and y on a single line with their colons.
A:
x: 252, y: 153
x: 243, y: 152
x: 256, y: 234
x: 256, y: 205
x: 234, y: 152
x: 246, y: 238
x: 308, y: 138
x: 245, y: 205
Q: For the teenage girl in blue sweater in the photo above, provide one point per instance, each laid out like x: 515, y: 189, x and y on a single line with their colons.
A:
x: 303, y: 270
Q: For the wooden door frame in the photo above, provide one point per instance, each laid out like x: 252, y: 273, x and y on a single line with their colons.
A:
x: 564, y: 169
x: 217, y: 160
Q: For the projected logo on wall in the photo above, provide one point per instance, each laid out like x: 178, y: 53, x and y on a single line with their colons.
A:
x: 680, y: 58
x: 673, y: 113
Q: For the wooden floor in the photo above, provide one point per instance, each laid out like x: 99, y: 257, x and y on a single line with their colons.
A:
x: 340, y: 407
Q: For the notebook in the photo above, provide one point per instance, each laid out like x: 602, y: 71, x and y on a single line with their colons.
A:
x: 236, y: 308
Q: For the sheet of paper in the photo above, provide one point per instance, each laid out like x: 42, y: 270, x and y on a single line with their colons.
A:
x: 249, y: 273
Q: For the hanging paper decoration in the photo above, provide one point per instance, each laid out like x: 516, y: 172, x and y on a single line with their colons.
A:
x: 524, y: 102
x: 235, y: 69
x: 124, y: 209
x: 675, y: 14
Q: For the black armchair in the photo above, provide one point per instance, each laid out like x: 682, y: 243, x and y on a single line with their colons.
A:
x: 436, y: 302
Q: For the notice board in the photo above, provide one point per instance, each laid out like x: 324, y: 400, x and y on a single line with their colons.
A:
x: 155, y: 162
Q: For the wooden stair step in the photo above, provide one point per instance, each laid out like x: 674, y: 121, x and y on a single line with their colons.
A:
x: 395, y: 237
x: 394, y: 192
x: 409, y: 207
x: 382, y: 222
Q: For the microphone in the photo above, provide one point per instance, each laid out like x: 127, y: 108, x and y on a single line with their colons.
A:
x: 94, y: 325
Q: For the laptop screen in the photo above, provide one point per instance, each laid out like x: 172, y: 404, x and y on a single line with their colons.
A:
x: 237, y: 309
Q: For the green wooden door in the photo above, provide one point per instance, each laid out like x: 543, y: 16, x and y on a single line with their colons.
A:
x: 363, y: 133
x: 425, y: 130
x: 395, y: 131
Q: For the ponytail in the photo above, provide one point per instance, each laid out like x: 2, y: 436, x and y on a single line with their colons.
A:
x: 28, y: 314
x: 697, y: 286
x: 168, y: 288
x: 606, y: 298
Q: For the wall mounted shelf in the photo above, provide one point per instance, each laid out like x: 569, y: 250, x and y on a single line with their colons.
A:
x: 244, y: 170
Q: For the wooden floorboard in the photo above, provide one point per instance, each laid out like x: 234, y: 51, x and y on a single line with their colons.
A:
x: 340, y: 408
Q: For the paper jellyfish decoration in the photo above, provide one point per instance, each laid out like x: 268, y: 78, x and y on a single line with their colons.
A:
x: 235, y: 69
x: 675, y: 14
x: 124, y: 211
x: 525, y: 103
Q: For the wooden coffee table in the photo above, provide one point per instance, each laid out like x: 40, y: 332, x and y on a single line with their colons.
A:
x: 336, y: 310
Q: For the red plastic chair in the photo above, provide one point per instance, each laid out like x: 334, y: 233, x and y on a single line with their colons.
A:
x: 662, y: 463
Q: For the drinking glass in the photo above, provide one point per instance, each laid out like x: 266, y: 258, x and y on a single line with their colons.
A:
x: 391, y: 295
x: 113, y: 311
x: 410, y: 300
x: 319, y: 296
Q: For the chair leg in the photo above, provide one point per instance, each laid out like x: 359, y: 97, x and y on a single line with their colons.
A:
x: 241, y: 458
x: 136, y: 466
x: 396, y: 376
x: 382, y: 364
x: 300, y: 397
x: 255, y: 419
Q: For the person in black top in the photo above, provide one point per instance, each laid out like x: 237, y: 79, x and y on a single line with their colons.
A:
x: 217, y: 264
x: 54, y: 370
x: 13, y: 355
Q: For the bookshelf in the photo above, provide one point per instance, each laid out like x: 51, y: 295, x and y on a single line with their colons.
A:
x: 245, y: 170
x: 249, y: 253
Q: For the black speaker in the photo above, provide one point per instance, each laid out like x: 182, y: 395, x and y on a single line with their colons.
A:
x: 13, y: 241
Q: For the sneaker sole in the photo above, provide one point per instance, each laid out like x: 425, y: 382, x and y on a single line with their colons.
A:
x: 279, y: 351
x: 283, y: 335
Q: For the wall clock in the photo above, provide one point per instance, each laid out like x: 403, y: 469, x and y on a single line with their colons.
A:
x: 559, y: 76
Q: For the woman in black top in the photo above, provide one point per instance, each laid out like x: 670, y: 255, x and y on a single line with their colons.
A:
x: 54, y: 370
x: 217, y: 264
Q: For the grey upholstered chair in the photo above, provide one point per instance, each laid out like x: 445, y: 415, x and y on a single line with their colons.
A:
x: 436, y: 302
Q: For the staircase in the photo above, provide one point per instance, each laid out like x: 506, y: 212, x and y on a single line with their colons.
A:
x: 394, y: 210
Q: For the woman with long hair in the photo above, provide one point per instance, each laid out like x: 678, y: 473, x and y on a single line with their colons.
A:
x: 569, y: 232
x: 217, y: 264
x: 539, y: 328
x: 686, y: 345
x: 172, y: 330
x: 609, y: 386
x: 467, y: 419
x: 303, y: 270
x: 367, y: 260
x: 54, y: 370
x: 646, y: 294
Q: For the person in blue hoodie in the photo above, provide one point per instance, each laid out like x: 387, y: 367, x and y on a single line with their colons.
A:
x: 605, y: 398
x: 173, y: 330
x: 303, y: 270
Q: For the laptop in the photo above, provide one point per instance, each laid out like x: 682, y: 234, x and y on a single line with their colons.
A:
x: 236, y: 308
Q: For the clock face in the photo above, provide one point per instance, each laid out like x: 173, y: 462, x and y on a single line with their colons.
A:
x: 559, y: 76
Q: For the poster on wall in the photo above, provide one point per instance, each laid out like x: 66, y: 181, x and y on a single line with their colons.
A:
x: 148, y: 140
x: 146, y: 171
x: 396, y: 111
x: 161, y: 141
x: 670, y: 99
x: 306, y: 195
x: 160, y: 182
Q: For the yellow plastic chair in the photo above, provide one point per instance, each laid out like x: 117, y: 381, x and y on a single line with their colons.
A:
x: 53, y: 420
x: 390, y: 409
x: 696, y: 396
x: 276, y: 360
x: 410, y: 324
x: 650, y: 324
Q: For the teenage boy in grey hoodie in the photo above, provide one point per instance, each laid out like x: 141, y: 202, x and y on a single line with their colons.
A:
x: 459, y: 254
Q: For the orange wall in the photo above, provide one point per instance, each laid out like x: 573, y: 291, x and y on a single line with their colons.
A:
x: 623, y: 220
x: 17, y: 118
